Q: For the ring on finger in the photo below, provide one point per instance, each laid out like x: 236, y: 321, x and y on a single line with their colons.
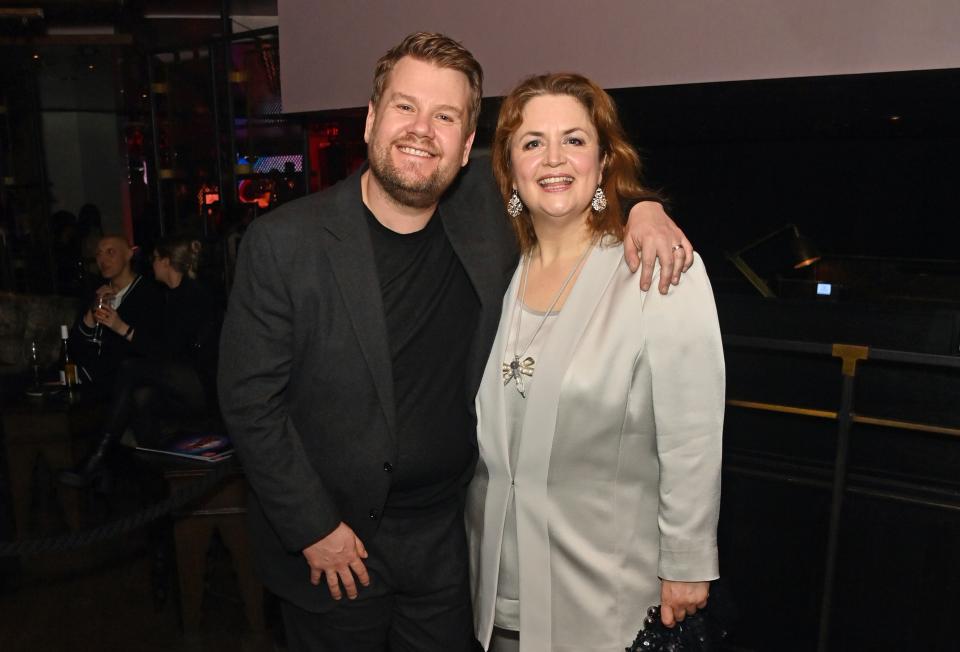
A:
x: 677, y: 247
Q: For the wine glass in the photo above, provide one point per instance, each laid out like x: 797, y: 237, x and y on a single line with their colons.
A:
x: 103, y: 300
x: 32, y: 355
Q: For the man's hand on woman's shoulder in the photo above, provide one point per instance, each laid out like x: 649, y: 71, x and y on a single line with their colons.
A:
x: 650, y: 234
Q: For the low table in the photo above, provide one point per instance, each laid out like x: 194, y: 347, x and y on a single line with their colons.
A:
x: 221, y: 509
x: 58, y: 427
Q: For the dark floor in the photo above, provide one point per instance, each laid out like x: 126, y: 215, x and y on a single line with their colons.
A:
x: 70, y: 604
x: 120, y: 594
x: 105, y: 600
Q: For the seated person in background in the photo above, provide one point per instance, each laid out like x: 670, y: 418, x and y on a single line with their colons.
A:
x: 171, y: 367
x: 101, y: 338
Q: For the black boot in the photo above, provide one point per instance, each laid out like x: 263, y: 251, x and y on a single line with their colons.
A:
x: 93, y: 471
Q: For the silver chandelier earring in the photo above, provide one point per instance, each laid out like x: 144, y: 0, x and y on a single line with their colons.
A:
x: 599, y: 201
x: 515, y: 206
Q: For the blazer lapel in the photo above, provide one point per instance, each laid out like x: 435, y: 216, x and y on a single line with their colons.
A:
x: 539, y: 422
x: 464, y: 213
x: 354, y: 269
x: 494, y: 446
x: 492, y: 425
x: 474, y: 253
x: 539, y: 428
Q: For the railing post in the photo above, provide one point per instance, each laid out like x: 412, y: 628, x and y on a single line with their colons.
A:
x: 849, y: 354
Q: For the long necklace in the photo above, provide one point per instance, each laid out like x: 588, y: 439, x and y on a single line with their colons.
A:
x: 518, y: 368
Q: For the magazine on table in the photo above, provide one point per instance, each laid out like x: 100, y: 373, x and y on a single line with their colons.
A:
x: 198, y: 447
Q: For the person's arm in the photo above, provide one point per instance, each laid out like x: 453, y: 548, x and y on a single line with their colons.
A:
x: 652, y: 236
x: 256, y: 358
x: 82, y: 347
x: 687, y: 373
x: 138, y: 322
x: 87, y: 322
x: 109, y: 318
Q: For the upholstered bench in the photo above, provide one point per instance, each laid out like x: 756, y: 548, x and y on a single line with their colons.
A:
x: 26, y: 317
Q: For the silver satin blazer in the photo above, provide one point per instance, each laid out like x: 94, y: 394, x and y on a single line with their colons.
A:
x: 618, y: 473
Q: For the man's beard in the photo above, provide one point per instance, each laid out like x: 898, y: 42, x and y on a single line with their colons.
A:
x: 409, y: 190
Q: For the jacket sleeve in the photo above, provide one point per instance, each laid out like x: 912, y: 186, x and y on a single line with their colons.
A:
x: 148, y: 337
x: 687, y: 371
x: 82, y: 347
x: 256, y: 355
x: 141, y: 310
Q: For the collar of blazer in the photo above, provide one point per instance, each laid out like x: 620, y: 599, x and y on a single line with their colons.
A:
x: 464, y: 225
x: 350, y: 252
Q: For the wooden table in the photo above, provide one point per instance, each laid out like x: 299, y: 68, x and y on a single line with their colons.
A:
x: 222, y: 509
x: 59, y: 428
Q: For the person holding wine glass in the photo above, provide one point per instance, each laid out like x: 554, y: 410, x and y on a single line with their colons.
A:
x: 172, y: 359
x: 100, y: 338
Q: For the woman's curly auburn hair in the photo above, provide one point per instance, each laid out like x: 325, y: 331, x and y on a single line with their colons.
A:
x: 621, y: 169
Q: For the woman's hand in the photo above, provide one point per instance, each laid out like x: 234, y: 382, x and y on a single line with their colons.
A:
x: 651, y: 233
x: 681, y: 599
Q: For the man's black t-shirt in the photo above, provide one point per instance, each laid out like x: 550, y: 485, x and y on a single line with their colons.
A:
x: 431, y: 313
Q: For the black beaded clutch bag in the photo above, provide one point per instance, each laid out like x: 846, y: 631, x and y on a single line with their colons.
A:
x: 702, y: 632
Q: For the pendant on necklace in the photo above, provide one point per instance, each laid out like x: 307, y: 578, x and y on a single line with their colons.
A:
x: 516, y: 370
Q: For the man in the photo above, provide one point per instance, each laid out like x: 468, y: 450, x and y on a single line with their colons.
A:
x: 357, y: 331
x: 100, y: 342
x: 100, y: 339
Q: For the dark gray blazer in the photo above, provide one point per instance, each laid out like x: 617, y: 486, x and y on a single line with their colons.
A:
x: 305, y: 379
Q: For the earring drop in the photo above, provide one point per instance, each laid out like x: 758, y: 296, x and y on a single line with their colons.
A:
x: 514, y: 206
x: 599, y: 201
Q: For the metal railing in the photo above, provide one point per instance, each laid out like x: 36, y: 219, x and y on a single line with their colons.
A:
x: 82, y: 538
x: 845, y: 416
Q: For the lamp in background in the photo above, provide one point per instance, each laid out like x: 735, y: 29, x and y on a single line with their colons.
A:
x: 774, y: 252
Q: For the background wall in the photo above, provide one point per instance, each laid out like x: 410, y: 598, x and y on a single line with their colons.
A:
x: 328, y: 49
x: 81, y: 134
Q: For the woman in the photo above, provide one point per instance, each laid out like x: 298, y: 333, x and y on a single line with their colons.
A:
x: 601, y: 408
x: 171, y: 367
